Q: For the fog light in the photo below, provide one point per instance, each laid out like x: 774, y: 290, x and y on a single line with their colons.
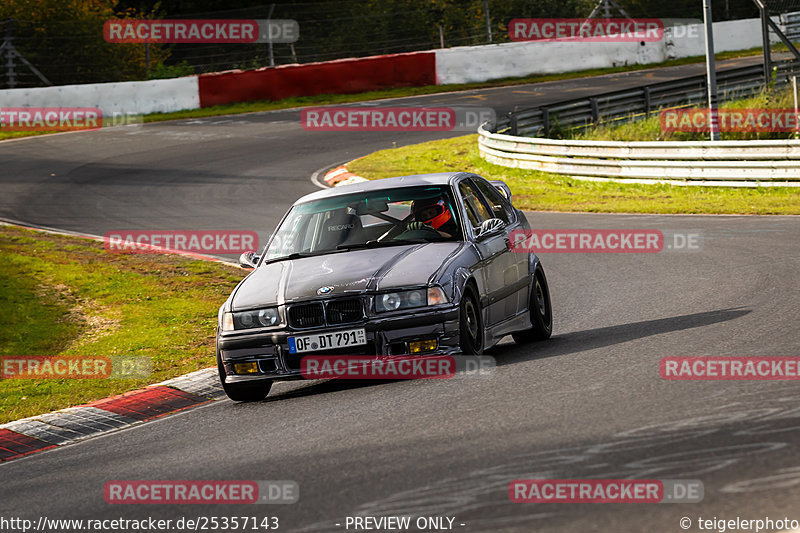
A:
x: 422, y: 346
x: 246, y: 368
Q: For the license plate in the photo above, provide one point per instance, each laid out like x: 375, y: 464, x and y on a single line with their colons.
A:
x: 327, y: 341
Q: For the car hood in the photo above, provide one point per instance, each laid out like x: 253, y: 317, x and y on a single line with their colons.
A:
x: 354, y: 271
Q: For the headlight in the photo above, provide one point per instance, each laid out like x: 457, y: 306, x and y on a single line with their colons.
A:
x: 257, y: 318
x: 392, y: 301
x: 268, y: 317
x: 389, y: 302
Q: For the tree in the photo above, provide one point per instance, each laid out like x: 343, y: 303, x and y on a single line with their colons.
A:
x: 64, y: 40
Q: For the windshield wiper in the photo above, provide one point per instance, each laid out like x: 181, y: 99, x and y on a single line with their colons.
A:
x: 298, y: 255
x: 378, y: 244
x: 344, y: 247
x: 295, y: 255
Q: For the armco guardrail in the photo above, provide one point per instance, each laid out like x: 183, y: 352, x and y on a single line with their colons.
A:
x: 738, y: 163
x: 791, y: 25
x: 618, y: 106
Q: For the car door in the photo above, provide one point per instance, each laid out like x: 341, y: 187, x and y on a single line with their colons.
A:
x: 496, y: 264
x: 516, y: 275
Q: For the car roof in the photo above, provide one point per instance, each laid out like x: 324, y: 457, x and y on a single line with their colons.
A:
x: 441, y: 178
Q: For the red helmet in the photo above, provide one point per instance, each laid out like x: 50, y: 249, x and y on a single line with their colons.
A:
x: 431, y: 211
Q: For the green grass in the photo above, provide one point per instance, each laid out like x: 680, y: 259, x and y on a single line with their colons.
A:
x: 540, y: 191
x: 649, y: 129
x: 397, y: 92
x: 32, y: 319
x: 16, y: 134
x: 68, y: 296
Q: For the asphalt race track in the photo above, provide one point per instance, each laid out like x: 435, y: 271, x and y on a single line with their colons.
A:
x: 230, y: 172
x: 589, y: 403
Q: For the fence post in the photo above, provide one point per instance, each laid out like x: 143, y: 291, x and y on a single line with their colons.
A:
x: 269, y: 36
x: 12, y: 82
x: 488, y: 20
x: 765, y: 43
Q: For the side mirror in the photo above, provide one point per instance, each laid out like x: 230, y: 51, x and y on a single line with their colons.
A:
x: 502, y: 187
x: 489, y: 227
x: 248, y: 260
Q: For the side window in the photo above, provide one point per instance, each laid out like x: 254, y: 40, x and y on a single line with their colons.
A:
x: 473, y: 218
x: 495, y: 199
x: 309, y: 236
x: 476, y: 210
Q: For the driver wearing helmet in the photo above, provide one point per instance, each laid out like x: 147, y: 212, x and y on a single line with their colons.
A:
x: 433, y: 213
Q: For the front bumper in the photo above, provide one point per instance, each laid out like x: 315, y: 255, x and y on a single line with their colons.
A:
x: 386, y: 336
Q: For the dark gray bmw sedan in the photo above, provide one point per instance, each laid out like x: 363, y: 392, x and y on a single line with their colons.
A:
x: 408, y: 266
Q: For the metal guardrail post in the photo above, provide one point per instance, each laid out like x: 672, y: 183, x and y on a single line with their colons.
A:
x: 647, y: 102
x: 546, y: 121
x: 512, y: 123
x: 595, y: 112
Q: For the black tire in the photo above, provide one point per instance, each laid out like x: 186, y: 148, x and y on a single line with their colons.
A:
x: 540, y: 309
x: 470, y: 324
x: 243, y: 392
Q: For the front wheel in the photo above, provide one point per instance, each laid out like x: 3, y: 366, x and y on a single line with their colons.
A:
x: 243, y: 392
x: 470, y: 324
x: 540, y: 309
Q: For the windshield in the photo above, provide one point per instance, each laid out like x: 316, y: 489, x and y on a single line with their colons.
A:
x: 380, y: 218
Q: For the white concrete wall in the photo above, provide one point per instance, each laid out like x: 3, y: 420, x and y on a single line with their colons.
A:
x: 132, y: 97
x: 731, y: 35
x: 481, y: 63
